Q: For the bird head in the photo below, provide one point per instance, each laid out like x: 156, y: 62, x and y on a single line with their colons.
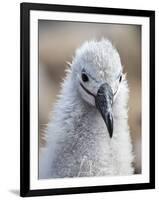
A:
x: 98, y: 71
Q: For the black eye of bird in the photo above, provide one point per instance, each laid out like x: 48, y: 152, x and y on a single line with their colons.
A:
x: 85, y: 77
x: 120, y: 78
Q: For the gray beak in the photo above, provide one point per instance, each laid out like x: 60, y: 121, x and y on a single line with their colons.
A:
x: 103, y: 100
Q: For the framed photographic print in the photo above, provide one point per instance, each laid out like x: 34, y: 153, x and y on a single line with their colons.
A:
x: 87, y: 99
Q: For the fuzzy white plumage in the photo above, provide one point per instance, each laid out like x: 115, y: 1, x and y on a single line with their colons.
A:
x: 80, y: 140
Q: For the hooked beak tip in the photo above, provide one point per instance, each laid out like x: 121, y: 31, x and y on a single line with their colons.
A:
x: 109, y: 123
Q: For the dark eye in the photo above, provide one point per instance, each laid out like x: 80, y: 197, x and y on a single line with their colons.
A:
x: 85, y: 77
x: 120, y: 78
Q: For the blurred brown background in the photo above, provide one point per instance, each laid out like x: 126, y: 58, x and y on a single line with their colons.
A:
x: 57, y: 43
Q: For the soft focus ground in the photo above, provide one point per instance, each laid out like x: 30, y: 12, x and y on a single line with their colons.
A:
x: 57, y: 44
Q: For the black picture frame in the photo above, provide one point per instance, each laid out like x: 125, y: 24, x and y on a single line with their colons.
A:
x: 25, y: 9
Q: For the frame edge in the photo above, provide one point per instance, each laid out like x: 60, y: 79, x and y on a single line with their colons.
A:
x: 24, y: 101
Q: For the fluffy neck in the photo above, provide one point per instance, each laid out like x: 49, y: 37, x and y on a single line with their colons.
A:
x: 79, y: 128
